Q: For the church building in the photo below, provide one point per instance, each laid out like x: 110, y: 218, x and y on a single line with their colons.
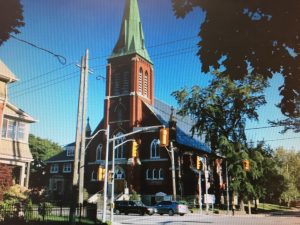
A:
x: 130, y: 103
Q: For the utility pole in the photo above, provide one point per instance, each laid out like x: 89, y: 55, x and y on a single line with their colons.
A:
x: 173, y: 171
x: 77, y: 144
x: 82, y: 149
x: 78, y: 126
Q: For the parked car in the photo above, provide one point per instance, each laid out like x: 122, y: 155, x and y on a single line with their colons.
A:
x: 171, y: 208
x: 127, y: 207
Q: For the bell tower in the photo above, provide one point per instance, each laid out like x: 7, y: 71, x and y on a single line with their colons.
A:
x: 130, y: 76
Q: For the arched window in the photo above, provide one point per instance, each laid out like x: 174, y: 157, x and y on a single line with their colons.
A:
x: 161, y: 174
x: 155, y: 174
x: 149, y: 174
x: 154, y: 149
x: 146, y: 84
x: 119, y: 173
x: 140, y: 81
x: 99, y: 152
x: 119, y: 152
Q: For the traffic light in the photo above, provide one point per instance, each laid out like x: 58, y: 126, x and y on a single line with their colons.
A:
x: 164, y: 137
x: 101, y: 174
x: 246, y: 165
x: 198, y: 163
x: 134, y: 149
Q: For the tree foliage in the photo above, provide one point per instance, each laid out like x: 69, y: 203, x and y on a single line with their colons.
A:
x: 11, y: 18
x: 288, y: 162
x: 220, y: 112
x: 41, y: 149
x: 221, y: 109
x: 262, y: 35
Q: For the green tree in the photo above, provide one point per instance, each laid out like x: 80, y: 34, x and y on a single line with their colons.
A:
x: 288, y: 162
x: 41, y: 149
x: 220, y: 112
x: 11, y: 18
x: 262, y: 35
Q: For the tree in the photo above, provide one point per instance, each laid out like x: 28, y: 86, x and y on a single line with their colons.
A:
x: 41, y: 149
x: 220, y: 112
x: 262, y: 35
x: 288, y: 162
x: 221, y: 109
x: 11, y: 18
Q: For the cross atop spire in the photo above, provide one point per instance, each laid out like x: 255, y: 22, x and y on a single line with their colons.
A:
x: 131, y: 38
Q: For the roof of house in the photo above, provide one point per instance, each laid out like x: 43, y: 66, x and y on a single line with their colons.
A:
x: 184, y: 134
x: 62, y: 156
x: 13, y: 111
x: 131, y: 38
x: 6, y: 74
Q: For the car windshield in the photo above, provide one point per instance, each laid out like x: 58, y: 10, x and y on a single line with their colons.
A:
x: 138, y: 203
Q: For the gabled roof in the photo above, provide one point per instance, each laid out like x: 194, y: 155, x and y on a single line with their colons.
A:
x: 131, y: 38
x: 183, y: 126
x: 13, y: 111
x: 6, y: 74
x: 62, y: 156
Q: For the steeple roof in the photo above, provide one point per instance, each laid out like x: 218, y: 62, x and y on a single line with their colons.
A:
x: 131, y: 38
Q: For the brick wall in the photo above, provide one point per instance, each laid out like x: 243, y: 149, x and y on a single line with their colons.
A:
x: 6, y: 179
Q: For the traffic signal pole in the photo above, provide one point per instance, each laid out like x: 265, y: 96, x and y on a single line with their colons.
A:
x: 173, y: 171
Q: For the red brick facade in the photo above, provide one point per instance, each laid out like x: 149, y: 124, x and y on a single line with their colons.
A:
x: 6, y: 178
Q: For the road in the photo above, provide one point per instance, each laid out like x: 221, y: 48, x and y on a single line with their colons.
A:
x: 193, y: 219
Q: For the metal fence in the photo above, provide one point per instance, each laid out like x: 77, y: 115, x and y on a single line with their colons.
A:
x: 46, y: 213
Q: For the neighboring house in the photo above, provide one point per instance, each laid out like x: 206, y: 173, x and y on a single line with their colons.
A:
x: 59, y: 170
x: 15, y: 155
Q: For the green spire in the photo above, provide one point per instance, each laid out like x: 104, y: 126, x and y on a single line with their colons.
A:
x: 131, y: 38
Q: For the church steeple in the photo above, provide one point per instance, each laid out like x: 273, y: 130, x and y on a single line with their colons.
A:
x: 131, y: 38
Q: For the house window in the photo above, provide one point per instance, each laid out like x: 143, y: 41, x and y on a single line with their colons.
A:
x: 161, y: 174
x: 54, y: 168
x: 155, y: 174
x: 67, y: 168
x: 149, y: 174
x: 141, y: 81
x: 94, y: 176
x: 154, y: 149
x: 99, y: 152
x: 146, y: 84
x: 14, y: 130
x: 70, y: 151
x: 119, y: 173
x: 119, y: 152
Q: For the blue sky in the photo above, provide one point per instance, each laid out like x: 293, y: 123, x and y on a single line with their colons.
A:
x: 48, y: 90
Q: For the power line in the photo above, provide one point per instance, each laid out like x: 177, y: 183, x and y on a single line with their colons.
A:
x: 164, y: 54
x: 279, y: 139
x: 48, y: 84
x: 266, y: 127
x: 40, y: 76
x: 156, y: 45
x: 60, y: 58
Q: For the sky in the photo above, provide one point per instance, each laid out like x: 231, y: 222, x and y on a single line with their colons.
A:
x: 48, y: 90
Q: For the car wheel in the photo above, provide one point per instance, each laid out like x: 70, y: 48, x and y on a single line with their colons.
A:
x: 161, y: 214
x: 142, y: 213
x: 117, y: 212
x: 171, y: 213
x: 150, y: 214
x: 126, y: 213
x: 181, y: 214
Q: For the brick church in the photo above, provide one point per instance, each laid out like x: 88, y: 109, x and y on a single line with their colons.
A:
x: 130, y: 103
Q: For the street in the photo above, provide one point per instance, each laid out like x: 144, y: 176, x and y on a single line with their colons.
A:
x: 192, y: 219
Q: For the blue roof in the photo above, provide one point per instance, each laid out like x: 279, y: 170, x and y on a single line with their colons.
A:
x: 183, y: 126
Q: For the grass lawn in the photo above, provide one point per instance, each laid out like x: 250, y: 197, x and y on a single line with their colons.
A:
x: 266, y: 207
